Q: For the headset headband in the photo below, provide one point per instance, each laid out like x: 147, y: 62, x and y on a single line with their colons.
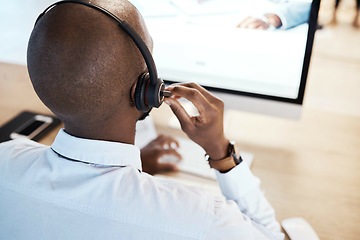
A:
x: 145, y: 52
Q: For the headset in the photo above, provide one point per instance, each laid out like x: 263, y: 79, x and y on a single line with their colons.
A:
x: 150, y: 90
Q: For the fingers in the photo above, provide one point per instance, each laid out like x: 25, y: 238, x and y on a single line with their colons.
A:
x: 206, y: 103
x: 181, y: 89
x: 166, y: 145
x: 160, y: 155
x: 164, y: 142
x: 181, y: 114
x: 244, y: 23
x: 191, y: 92
x: 205, y: 128
x: 168, y: 155
x: 168, y: 160
x: 167, y: 142
x: 199, y: 96
x: 253, y: 23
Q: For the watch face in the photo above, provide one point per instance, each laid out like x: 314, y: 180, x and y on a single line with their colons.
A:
x: 231, y: 149
x: 237, y: 159
x: 232, y: 152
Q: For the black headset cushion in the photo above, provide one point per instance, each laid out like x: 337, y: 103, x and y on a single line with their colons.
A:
x: 140, y: 93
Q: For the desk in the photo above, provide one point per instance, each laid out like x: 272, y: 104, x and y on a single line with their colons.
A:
x: 308, y: 168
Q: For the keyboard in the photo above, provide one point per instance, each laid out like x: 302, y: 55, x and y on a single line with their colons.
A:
x: 193, y: 159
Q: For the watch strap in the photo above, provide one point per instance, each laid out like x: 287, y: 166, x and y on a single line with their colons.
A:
x: 225, y: 163
x: 228, y: 162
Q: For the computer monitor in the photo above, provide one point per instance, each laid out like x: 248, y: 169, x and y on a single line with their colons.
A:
x: 262, y: 71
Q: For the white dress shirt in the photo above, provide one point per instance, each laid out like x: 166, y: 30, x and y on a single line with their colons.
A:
x: 88, y: 189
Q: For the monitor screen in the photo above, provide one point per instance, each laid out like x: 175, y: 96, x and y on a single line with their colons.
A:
x: 241, y: 50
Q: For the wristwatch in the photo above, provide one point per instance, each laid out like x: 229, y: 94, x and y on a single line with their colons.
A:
x: 227, y: 163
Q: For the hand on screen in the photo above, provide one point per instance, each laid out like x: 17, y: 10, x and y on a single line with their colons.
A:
x: 154, y: 151
x: 264, y: 23
x: 206, y: 129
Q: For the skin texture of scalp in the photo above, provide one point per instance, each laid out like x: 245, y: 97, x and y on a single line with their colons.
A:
x: 83, y: 67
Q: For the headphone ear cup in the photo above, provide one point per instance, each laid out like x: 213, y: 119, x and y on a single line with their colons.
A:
x: 140, y: 93
x: 154, y: 97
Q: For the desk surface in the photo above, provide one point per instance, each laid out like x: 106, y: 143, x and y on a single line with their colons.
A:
x: 308, y: 168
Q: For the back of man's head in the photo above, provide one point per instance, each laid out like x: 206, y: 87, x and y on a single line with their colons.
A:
x: 82, y: 64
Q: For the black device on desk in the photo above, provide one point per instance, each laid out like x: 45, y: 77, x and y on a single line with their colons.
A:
x: 29, y: 125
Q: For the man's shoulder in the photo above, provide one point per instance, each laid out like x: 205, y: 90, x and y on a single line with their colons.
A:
x: 24, y: 142
x: 17, y: 148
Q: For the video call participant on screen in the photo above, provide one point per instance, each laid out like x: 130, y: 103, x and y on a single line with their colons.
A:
x: 89, y: 183
x: 277, y: 15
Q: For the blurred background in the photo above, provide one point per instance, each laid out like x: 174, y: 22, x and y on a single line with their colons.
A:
x: 339, y: 46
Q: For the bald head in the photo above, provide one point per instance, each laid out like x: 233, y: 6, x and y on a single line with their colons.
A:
x: 82, y: 64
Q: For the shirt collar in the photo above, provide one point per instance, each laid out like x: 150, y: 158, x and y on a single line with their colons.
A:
x: 96, y: 152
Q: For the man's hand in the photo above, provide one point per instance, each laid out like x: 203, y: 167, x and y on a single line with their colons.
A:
x: 268, y: 21
x: 152, y: 153
x: 206, y: 129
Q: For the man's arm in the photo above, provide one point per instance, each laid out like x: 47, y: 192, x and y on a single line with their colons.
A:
x: 241, y: 186
x: 236, y: 182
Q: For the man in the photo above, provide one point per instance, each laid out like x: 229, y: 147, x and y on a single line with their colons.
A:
x: 89, y: 183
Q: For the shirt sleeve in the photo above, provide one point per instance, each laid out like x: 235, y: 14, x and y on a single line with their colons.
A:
x: 242, y: 191
x: 292, y: 14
